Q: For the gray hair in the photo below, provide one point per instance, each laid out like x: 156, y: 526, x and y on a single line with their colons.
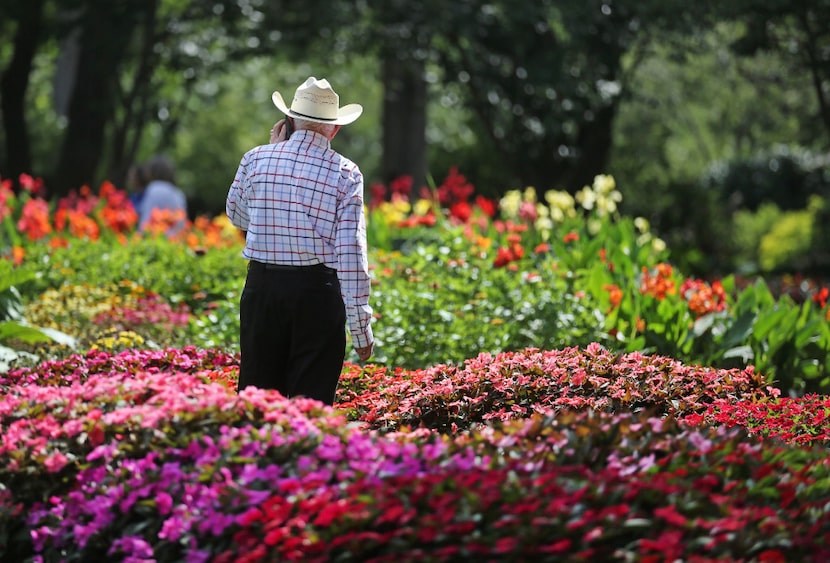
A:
x: 323, y: 128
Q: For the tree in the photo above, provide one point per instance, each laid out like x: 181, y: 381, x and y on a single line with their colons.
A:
x: 14, y: 83
x: 797, y: 31
x: 123, y: 65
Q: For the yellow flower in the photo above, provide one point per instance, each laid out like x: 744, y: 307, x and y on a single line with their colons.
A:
x: 561, y: 204
x: 604, y: 184
x: 586, y: 198
x: 530, y: 194
x: 543, y: 224
x: 607, y: 203
x: 642, y: 224
x: 510, y: 203
x: 422, y: 207
x: 658, y: 245
x: 394, y: 211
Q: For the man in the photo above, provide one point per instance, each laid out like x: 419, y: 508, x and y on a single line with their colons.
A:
x: 300, y: 204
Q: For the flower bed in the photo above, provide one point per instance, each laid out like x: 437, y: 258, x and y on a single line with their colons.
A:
x: 152, y: 455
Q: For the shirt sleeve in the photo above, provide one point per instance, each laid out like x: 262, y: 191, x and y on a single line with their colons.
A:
x: 236, y: 206
x: 353, y: 270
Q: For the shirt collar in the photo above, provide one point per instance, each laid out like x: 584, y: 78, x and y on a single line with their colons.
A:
x: 311, y: 137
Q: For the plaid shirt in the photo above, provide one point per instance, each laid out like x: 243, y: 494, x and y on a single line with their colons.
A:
x: 301, y: 204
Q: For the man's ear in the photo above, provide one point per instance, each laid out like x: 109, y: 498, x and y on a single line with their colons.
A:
x: 334, y: 133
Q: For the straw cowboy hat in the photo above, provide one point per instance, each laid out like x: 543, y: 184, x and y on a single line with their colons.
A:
x: 315, y: 100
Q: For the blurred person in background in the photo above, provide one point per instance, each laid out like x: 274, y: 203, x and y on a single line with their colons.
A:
x: 162, y: 202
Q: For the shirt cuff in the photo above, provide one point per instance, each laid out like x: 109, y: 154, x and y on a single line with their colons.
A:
x: 362, y: 338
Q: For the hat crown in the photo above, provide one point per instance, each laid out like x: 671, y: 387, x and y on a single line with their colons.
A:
x: 316, y: 98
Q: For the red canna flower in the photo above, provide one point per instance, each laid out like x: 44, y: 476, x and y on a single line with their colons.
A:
x: 32, y: 185
x: 488, y: 206
x: 378, y: 194
x: 34, y: 220
x: 6, y: 199
x: 820, y: 298
x: 461, y: 210
x: 503, y: 257
x: 402, y: 185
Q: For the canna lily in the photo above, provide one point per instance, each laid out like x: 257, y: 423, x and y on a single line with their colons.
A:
x: 34, y: 220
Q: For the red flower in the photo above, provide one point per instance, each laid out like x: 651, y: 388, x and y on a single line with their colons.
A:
x: 402, y: 185
x: 32, y: 185
x: 461, y: 210
x: 670, y: 515
x: 34, y: 220
x: 820, y: 298
x: 571, y: 237
x: 503, y: 257
x: 488, y: 206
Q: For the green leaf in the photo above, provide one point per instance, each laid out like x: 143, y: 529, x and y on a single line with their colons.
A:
x: 30, y: 334
x: 740, y: 330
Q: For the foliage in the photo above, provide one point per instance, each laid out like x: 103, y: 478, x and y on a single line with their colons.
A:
x: 14, y: 325
x: 455, y: 275
x: 787, y: 245
x: 514, y: 385
x: 671, y: 139
x: 750, y: 228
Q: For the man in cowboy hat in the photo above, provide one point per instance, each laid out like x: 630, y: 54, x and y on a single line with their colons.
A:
x: 300, y: 204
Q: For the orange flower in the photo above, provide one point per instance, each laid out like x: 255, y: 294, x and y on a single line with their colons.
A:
x: 571, y: 237
x: 615, y: 295
x: 82, y: 226
x: 659, y: 284
x: 703, y: 298
x: 164, y: 220
x: 18, y: 254
x: 58, y: 242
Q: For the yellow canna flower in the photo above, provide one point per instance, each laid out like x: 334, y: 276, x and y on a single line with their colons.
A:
x: 604, y: 184
x: 510, y: 203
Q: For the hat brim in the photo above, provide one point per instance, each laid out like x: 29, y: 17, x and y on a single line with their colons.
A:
x: 345, y: 115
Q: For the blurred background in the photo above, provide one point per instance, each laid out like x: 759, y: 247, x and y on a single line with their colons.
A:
x: 713, y: 117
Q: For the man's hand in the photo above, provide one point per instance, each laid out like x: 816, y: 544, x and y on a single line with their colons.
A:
x: 365, y: 353
x: 278, y: 132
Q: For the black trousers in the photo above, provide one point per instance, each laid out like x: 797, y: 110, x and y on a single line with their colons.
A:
x: 292, y: 330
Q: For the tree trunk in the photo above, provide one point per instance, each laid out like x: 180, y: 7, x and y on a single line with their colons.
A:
x: 134, y: 100
x: 404, y: 120
x: 13, y: 86
x: 104, y: 36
